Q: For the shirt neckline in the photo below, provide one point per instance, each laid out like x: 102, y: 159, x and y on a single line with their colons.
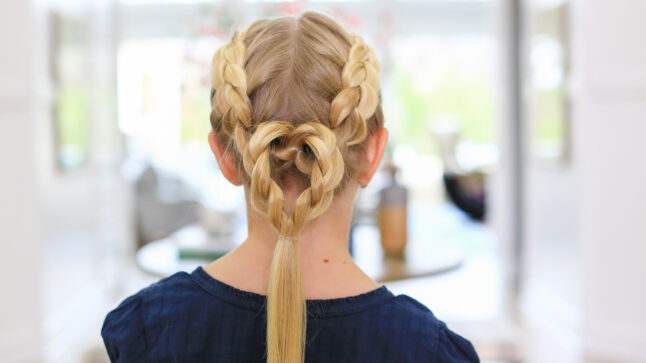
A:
x: 315, y: 307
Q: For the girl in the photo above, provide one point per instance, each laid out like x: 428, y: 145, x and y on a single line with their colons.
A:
x: 297, y: 120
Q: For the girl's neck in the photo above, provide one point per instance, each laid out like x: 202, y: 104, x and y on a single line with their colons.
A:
x: 327, y: 268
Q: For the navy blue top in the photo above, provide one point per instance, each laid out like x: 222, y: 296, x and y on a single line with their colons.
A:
x: 196, y: 318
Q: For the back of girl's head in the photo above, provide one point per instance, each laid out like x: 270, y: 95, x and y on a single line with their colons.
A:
x: 294, y: 98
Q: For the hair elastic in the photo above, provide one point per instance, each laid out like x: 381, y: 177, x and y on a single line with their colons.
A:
x: 290, y: 238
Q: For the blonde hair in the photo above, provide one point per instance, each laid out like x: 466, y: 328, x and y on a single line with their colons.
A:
x: 294, y: 98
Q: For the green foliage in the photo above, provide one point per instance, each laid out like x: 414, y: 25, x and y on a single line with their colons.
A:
x: 468, y: 99
x: 195, y: 114
x: 72, y: 118
x: 550, y: 114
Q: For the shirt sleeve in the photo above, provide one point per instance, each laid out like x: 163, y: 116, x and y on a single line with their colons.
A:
x: 123, y: 331
x: 454, y: 348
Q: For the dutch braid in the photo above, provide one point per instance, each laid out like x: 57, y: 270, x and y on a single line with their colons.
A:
x: 231, y: 105
x: 359, y: 98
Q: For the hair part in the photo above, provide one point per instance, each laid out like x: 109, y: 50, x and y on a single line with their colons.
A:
x: 294, y: 98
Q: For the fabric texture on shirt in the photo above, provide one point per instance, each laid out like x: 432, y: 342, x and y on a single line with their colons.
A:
x: 193, y: 317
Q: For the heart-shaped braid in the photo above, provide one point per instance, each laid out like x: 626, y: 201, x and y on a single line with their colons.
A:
x: 285, y: 141
x: 359, y: 98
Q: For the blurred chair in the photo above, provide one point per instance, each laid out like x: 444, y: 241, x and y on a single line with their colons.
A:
x: 463, y: 184
x: 163, y: 205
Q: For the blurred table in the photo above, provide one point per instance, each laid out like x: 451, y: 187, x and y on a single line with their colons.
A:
x: 163, y: 257
x: 424, y: 255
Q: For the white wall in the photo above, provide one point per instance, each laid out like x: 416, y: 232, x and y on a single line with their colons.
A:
x: 585, y: 223
x: 20, y: 222
x: 551, y: 296
x: 64, y: 236
x: 610, y: 55
x: 550, y: 292
x: 88, y: 228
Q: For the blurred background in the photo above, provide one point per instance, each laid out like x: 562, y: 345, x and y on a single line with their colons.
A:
x: 516, y: 166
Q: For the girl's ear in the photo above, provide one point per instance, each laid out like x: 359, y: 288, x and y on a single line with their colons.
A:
x: 374, y: 153
x: 224, y: 159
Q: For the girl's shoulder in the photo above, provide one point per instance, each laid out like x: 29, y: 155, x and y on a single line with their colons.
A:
x: 124, y: 328
x: 439, y: 342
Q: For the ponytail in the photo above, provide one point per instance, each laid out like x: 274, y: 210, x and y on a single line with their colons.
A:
x: 286, y: 310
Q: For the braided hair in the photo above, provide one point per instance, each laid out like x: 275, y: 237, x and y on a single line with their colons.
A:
x: 294, y: 98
